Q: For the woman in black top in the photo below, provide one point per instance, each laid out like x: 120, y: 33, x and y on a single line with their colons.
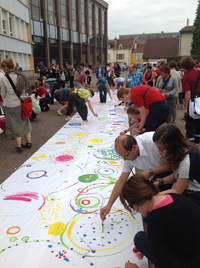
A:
x: 173, y: 233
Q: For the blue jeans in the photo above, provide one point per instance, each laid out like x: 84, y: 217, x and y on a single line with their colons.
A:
x: 103, y: 93
x: 78, y: 85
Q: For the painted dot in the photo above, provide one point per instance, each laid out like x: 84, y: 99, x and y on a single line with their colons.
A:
x: 84, y: 235
x: 93, y: 227
x: 115, y: 239
x: 108, y: 232
x: 119, y: 232
x: 102, y: 237
x: 93, y: 251
x: 94, y: 238
x: 64, y: 158
x: 91, y: 264
x: 109, y: 242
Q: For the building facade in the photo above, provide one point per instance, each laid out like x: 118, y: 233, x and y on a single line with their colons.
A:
x: 15, y: 37
x: 69, y: 31
x: 185, y: 41
x: 119, y: 50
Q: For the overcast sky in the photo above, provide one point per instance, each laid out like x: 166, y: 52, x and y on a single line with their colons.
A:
x: 149, y: 16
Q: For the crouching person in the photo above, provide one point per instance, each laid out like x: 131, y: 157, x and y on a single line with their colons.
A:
x: 78, y: 98
x: 42, y: 95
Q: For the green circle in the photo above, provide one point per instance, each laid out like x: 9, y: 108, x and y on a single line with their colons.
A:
x: 87, y: 178
x: 25, y: 238
x: 13, y: 239
x: 81, y: 206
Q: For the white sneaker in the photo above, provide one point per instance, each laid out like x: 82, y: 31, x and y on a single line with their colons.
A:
x: 67, y: 118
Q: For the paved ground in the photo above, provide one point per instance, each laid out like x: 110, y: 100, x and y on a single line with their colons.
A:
x: 46, y: 125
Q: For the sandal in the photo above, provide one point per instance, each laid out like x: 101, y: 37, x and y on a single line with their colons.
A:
x: 27, y: 145
x: 18, y: 149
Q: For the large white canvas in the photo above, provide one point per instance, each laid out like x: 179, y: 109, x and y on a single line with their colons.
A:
x: 49, y: 208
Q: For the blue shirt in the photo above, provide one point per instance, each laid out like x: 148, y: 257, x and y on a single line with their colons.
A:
x: 135, y: 81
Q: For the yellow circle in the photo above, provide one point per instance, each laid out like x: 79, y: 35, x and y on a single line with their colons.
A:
x: 112, y: 162
x: 79, y: 135
x: 96, y: 140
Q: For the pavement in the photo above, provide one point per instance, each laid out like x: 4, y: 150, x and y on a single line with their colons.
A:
x: 43, y: 128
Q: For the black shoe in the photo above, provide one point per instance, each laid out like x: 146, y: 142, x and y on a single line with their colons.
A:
x: 46, y: 109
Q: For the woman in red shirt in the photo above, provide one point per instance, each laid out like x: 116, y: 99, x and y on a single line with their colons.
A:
x: 42, y: 95
x: 146, y: 97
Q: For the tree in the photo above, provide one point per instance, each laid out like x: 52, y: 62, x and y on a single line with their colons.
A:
x: 196, y: 33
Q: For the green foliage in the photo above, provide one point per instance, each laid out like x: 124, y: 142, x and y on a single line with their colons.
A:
x: 196, y: 33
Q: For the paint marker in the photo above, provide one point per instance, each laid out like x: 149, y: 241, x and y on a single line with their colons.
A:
x: 131, y: 171
x: 102, y: 227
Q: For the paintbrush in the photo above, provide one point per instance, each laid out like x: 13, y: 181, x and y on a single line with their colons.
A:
x: 102, y: 227
x: 131, y: 171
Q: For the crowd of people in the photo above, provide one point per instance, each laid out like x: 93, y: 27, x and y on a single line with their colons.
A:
x: 166, y: 188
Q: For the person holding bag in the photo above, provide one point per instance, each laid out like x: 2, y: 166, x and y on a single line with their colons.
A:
x: 15, y: 125
x: 189, y: 82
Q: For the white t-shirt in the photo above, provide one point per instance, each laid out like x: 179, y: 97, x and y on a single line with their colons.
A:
x: 149, y: 156
x: 183, y: 173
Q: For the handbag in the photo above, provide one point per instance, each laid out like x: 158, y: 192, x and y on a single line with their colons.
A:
x: 27, y: 106
x: 194, y: 102
x: 80, y: 103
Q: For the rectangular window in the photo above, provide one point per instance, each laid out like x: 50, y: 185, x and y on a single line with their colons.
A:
x: 63, y: 14
x: 83, y: 20
x: 4, y: 26
x: 10, y: 22
x: 74, y: 15
x: 51, y: 5
x: 91, y: 19
x: 120, y: 56
x: 138, y: 56
x: 97, y: 20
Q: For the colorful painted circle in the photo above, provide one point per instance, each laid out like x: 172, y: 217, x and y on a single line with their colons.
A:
x: 89, y: 202
x: 13, y: 239
x: 87, y: 178
x: 64, y: 158
x: 79, y: 134
x: 95, y: 140
x: 36, y: 174
x: 25, y: 238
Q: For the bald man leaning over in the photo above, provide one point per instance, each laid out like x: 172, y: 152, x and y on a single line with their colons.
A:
x: 139, y: 152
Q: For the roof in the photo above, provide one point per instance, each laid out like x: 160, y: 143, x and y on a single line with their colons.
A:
x: 187, y: 29
x: 142, y: 38
x: 160, y: 48
x: 126, y: 43
x: 139, y: 48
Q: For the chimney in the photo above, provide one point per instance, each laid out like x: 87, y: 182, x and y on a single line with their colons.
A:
x: 188, y: 22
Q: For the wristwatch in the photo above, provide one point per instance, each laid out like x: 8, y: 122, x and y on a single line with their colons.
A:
x: 139, y: 128
x: 151, y: 172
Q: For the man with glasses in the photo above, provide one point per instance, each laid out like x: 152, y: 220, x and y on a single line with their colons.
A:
x: 133, y: 78
x: 140, y: 153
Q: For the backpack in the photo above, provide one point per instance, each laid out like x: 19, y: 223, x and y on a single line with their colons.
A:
x: 83, y: 93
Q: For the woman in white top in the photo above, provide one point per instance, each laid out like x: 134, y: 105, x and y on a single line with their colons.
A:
x: 184, y: 158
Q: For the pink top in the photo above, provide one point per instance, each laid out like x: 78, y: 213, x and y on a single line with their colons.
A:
x: 168, y: 200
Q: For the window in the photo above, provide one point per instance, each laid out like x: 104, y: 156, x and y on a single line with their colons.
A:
x: 10, y: 23
x: 121, y: 46
x: 83, y: 21
x: 91, y: 19
x: 63, y: 14
x: 138, y: 56
x: 74, y: 15
x: 120, y: 56
x: 51, y: 12
x: 97, y: 20
x: 4, y: 26
x: 108, y: 56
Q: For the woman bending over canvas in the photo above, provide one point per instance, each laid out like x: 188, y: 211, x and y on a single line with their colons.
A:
x: 184, y: 158
x: 173, y: 234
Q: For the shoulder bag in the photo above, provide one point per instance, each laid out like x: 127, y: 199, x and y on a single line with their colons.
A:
x: 27, y: 106
x: 194, y: 102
